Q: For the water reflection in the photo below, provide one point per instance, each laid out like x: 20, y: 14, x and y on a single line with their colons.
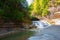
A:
x: 40, y: 26
x: 43, y: 37
x: 34, y: 38
x: 46, y: 31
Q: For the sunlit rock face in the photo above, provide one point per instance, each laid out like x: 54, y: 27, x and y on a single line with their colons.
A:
x: 55, y: 18
x: 58, y: 8
x: 57, y: 21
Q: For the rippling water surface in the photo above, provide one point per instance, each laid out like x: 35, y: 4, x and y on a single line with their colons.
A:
x: 45, y: 31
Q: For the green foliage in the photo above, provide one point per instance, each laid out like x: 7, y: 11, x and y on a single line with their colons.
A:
x: 1, y: 12
x: 57, y: 2
x: 40, y: 7
x: 19, y: 15
x: 12, y: 9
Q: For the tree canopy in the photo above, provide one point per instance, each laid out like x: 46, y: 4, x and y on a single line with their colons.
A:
x: 40, y: 7
x: 18, y: 10
x: 13, y: 9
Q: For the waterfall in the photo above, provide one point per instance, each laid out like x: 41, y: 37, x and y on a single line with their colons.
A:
x: 41, y: 24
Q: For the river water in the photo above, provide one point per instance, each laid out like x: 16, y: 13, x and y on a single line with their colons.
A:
x: 41, y: 24
x: 45, y: 31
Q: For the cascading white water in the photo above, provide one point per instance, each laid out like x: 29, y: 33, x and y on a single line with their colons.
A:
x: 50, y: 33
x: 41, y: 24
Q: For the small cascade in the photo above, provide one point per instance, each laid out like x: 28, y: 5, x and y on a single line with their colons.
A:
x: 41, y: 24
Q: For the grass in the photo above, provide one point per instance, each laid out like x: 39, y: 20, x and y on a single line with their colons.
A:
x: 19, y: 36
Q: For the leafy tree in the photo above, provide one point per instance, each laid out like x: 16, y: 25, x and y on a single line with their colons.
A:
x: 14, y: 10
x: 40, y: 7
x: 57, y: 2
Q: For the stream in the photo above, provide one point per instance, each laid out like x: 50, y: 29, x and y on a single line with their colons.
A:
x: 45, y: 31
